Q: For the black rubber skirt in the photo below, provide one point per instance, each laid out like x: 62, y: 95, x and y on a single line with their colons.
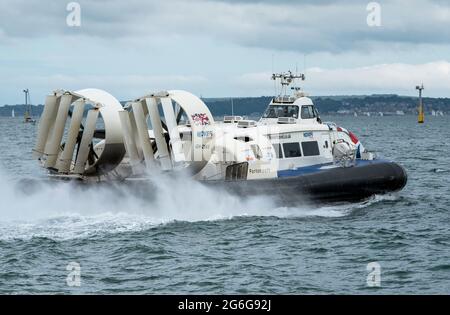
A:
x: 331, y: 185
x: 337, y: 184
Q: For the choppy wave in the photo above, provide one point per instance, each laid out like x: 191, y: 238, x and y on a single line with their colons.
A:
x: 439, y: 170
x: 66, y: 211
x: 191, y: 239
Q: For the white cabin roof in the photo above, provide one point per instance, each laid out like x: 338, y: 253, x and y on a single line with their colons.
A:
x: 303, y: 101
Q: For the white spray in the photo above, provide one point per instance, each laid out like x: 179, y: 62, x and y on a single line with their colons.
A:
x: 69, y: 210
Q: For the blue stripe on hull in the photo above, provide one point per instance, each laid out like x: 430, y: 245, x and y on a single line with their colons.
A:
x: 321, y: 167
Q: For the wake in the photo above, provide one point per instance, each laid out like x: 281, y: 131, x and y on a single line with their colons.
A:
x: 64, y: 210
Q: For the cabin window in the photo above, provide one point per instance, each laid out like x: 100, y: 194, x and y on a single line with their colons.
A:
x: 236, y: 171
x: 278, y: 151
x: 308, y: 112
x: 276, y: 111
x: 326, y: 144
x: 310, y: 148
x: 291, y: 150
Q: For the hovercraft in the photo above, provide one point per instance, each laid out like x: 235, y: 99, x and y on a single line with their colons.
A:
x: 288, y: 154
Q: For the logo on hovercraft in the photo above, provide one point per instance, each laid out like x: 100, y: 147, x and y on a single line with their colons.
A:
x: 201, y: 119
x: 205, y: 134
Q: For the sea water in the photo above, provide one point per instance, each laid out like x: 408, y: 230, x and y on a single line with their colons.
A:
x: 191, y: 239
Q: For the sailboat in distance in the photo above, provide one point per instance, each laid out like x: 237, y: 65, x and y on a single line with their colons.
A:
x: 27, y: 115
x: 13, y: 114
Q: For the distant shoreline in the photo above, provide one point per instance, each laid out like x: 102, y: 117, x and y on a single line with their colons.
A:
x: 389, y: 104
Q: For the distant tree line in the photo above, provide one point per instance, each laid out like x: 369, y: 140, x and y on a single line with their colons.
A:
x: 332, y: 104
x: 253, y: 106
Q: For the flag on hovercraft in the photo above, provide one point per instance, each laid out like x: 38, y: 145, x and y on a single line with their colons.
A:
x: 359, y: 147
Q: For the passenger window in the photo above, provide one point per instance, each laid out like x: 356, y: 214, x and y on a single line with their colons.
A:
x: 292, y: 150
x: 310, y: 148
x: 278, y: 151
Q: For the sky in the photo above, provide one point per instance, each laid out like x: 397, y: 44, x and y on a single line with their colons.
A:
x: 223, y: 48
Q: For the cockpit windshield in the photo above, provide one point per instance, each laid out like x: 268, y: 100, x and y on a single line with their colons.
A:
x: 276, y: 111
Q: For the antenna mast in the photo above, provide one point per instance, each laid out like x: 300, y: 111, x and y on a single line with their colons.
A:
x: 232, y: 107
x: 273, y: 71
x: 286, y: 79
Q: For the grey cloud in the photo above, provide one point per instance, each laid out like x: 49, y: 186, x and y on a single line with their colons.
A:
x: 302, y: 26
x: 293, y: 2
